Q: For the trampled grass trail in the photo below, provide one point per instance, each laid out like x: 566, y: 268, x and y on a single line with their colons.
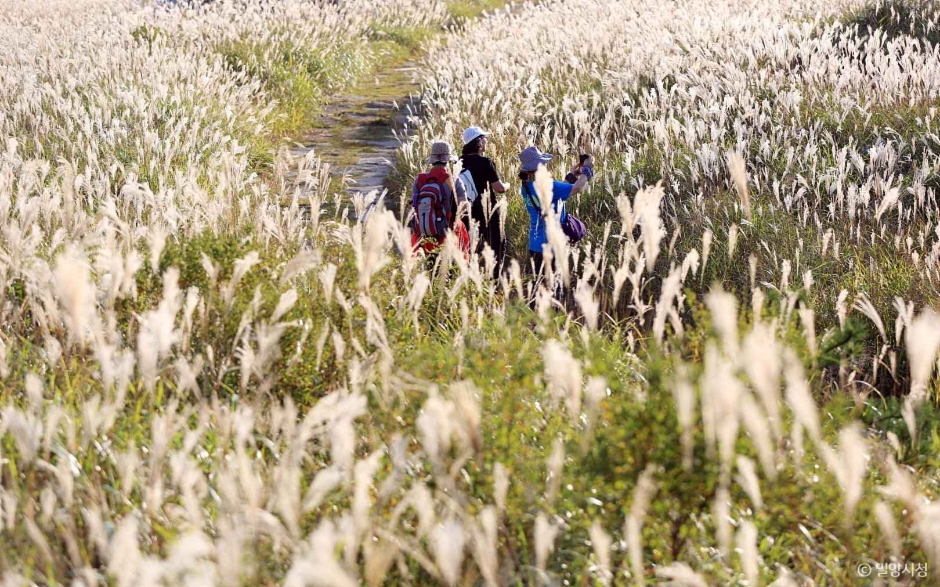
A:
x: 357, y: 135
x: 358, y: 132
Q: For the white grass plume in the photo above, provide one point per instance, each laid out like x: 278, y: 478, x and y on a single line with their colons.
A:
x: 707, y: 237
x: 863, y: 304
x: 849, y: 465
x: 500, y: 486
x: 672, y: 290
x: 590, y: 308
x: 124, y: 558
x: 633, y: 525
x: 799, y: 397
x: 680, y: 575
x: 761, y: 361
x: 721, y: 513
x: 318, y: 567
x: 363, y: 475
x: 922, y: 341
x: 379, y: 556
x: 756, y: 425
x: 75, y: 291
x: 284, y: 304
x: 485, y: 545
x: 601, y: 543
x: 738, y: 171
x: 563, y: 373
x: 447, y: 542
x: 724, y: 313
x: 889, y: 530
x: 747, y: 545
x: 747, y: 479
x: 545, y: 533
x: 685, y: 411
x: 690, y: 264
x: 647, y: 205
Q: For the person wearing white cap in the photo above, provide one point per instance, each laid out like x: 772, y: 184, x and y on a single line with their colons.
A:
x: 530, y: 159
x: 486, y: 184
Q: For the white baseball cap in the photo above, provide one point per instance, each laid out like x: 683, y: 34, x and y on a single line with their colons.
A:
x: 472, y: 133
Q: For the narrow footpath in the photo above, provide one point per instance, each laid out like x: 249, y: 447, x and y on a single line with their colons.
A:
x: 358, y: 132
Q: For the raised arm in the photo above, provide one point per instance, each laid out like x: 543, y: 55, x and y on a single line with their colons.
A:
x: 583, y: 179
x: 579, y: 185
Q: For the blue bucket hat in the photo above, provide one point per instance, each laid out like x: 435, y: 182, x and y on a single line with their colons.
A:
x: 530, y: 158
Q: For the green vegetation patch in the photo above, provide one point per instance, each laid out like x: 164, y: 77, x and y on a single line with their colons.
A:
x: 463, y: 11
x: 297, y: 77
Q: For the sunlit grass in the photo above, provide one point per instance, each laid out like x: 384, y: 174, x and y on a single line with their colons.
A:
x: 202, y: 383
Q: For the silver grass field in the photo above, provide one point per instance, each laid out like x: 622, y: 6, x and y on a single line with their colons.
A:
x: 215, y: 369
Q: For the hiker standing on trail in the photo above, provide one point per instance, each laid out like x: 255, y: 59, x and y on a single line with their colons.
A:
x: 437, y: 202
x: 481, y: 191
x: 574, y: 229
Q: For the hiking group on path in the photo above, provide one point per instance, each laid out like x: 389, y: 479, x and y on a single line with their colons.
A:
x: 467, y: 204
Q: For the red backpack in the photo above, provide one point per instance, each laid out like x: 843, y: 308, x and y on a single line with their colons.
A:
x: 432, y: 210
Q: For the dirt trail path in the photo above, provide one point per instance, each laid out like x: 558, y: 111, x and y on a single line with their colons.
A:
x: 356, y: 132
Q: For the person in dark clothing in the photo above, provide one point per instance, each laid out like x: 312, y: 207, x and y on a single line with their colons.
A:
x: 483, y: 210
